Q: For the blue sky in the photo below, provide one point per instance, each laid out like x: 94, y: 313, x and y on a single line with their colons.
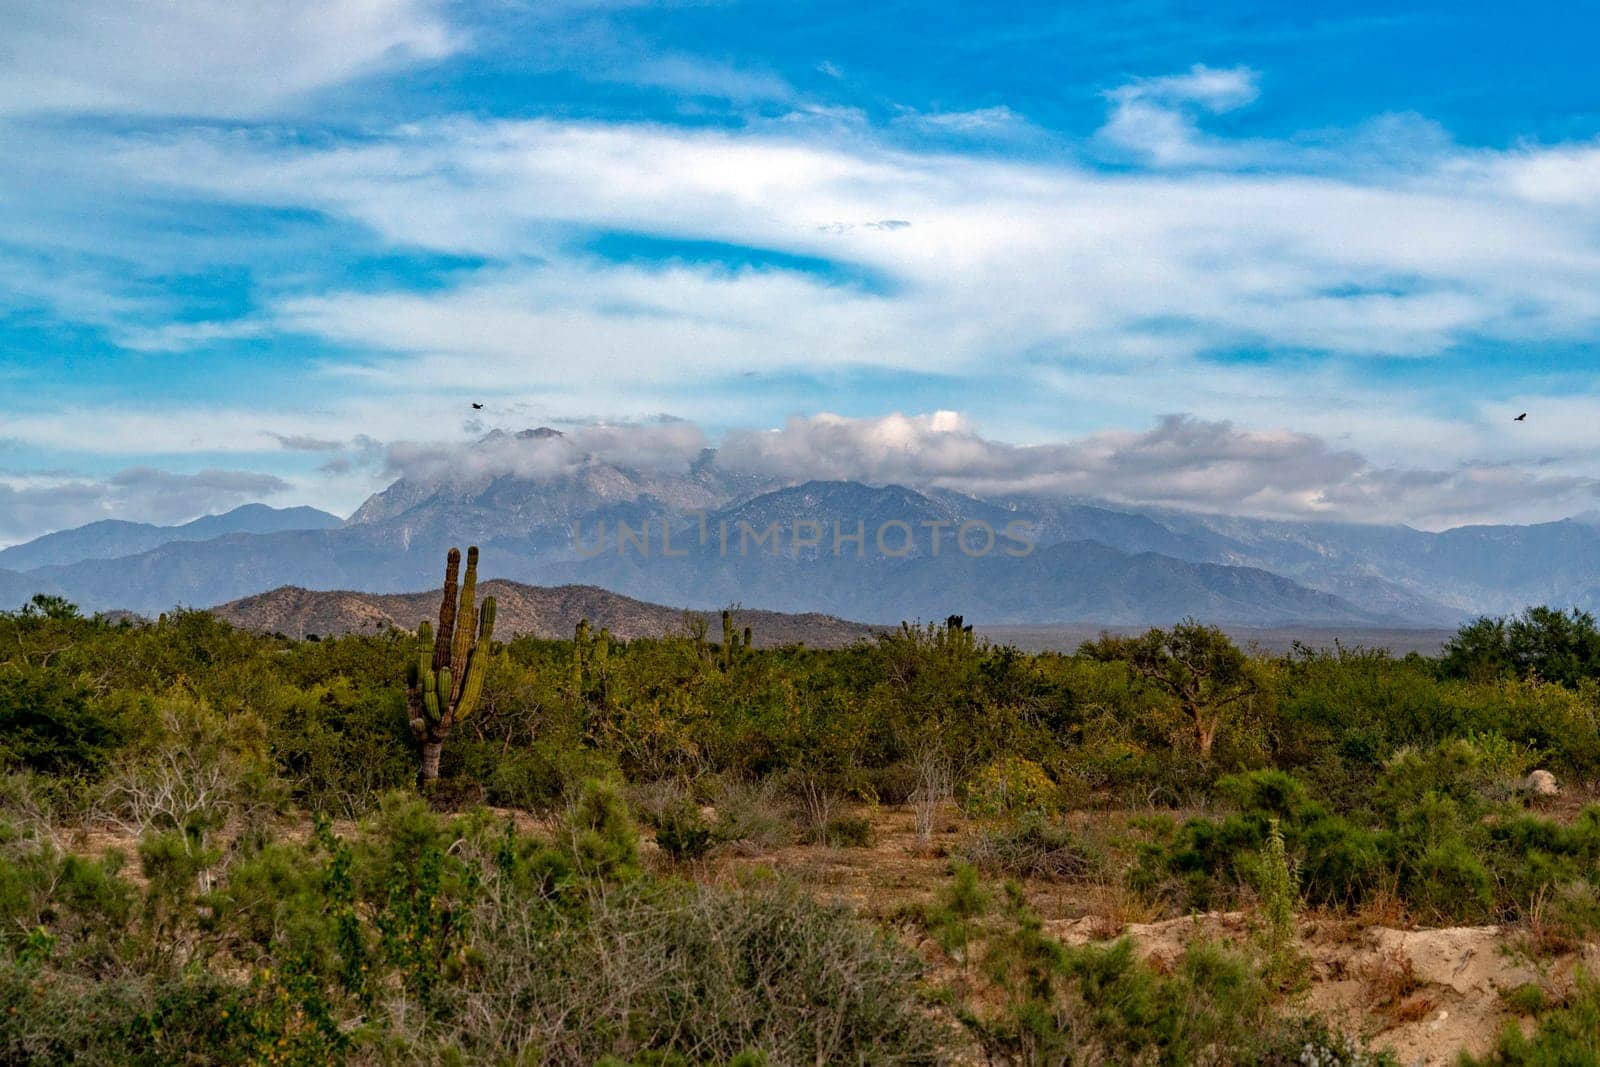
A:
x: 1298, y: 262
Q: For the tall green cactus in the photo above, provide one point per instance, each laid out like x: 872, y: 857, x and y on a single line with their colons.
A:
x: 446, y: 682
x: 580, y: 655
x: 591, y: 674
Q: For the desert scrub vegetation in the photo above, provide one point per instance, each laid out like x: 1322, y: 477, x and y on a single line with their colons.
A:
x: 423, y: 938
x: 1568, y: 1032
x: 199, y: 821
x: 1030, y: 999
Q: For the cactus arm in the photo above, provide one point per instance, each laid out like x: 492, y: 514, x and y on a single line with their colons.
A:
x: 443, y: 681
x: 477, y: 664
x: 447, y: 611
x: 477, y: 667
x: 466, y: 622
x: 430, y: 694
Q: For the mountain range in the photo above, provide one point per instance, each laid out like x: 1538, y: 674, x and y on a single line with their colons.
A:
x: 703, y: 537
x: 114, y: 538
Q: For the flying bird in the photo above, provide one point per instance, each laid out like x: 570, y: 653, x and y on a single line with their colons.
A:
x: 1521, y: 418
x: 477, y: 407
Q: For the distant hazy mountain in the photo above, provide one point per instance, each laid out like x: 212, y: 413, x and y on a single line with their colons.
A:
x: 112, y: 538
x: 997, y: 575
x: 731, y: 538
x: 523, y: 609
x: 1464, y: 571
x: 201, y: 573
x: 17, y: 589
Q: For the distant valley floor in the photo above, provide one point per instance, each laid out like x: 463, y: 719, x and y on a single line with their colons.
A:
x: 1067, y: 637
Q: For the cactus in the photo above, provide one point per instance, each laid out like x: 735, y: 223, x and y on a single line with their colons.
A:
x: 600, y: 657
x: 446, y: 683
x: 580, y: 655
x: 734, y: 647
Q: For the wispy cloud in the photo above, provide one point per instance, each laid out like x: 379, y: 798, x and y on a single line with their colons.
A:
x: 191, y: 57
x: 1004, y: 259
x: 665, y: 445
x: 998, y: 120
x: 694, y: 76
x: 1154, y: 119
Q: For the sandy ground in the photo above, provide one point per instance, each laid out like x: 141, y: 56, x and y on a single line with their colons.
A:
x: 1426, y: 995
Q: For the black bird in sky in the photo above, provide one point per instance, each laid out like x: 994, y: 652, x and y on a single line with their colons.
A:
x: 477, y: 407
x: 1521, y: 418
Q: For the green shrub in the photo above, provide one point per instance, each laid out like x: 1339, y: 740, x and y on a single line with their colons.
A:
x: 1525, y: 999
x: 1009, y: 786
x: 649, y: 972
x: 1451, y: 884
x: 1568, y: 1036
x: 541, y: 777
x: 142, y: 1020
x: 683, y: 833
x: 49, y: 723
x: 600, y: 834
x: 848, y: 831
x: 1102, y: 1004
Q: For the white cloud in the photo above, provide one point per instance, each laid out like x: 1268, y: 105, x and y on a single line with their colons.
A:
x: 185, y: 336
x: 195, y: 57
x: 1209, y: 87
x: 1565, y: 176
x: 979, y: 121
x: 694, y: 76
x: 667, y: 446
x: 1183, y: 462
x: 1154, y: 118
x: 1003, y: 259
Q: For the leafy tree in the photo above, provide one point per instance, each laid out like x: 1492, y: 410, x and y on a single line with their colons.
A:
x: 49, y: 724
x: 1195, y: 664
x: 1556, y: 646
x: 55, y: 608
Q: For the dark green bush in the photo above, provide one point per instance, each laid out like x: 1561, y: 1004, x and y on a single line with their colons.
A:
x: 683, y: 833
x: 849, y: 831
x: 49, y: 724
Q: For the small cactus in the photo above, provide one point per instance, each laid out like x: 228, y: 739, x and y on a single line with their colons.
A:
x: 734, y: 646
x: 446, y: 683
